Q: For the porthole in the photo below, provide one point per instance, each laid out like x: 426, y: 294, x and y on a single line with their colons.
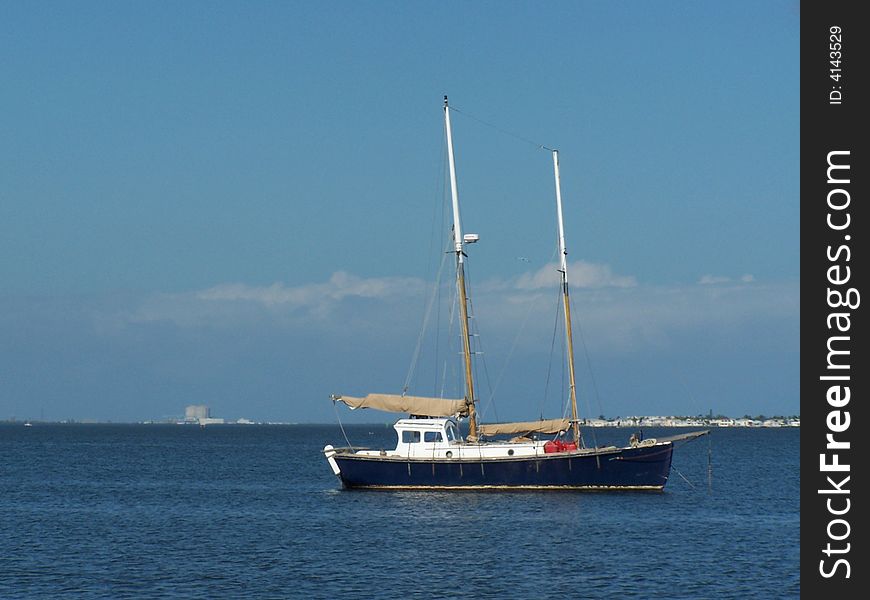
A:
x: 511, y: 452
x: 449, y: 454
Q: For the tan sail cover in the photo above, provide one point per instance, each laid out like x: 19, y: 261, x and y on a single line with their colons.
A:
x: 548, y: 426
x: 415, y: 405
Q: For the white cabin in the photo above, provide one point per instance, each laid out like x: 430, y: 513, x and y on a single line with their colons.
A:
x: 426, y: 437
x: 439, y: 438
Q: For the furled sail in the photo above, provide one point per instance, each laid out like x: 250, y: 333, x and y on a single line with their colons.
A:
x: 548, y: 426
x: 415, y: 405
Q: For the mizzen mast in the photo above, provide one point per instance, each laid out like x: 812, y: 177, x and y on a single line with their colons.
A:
x: 458, y: 242
x: 563, y: 269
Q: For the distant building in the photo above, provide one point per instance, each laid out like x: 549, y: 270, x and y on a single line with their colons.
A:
x: 196, y: 412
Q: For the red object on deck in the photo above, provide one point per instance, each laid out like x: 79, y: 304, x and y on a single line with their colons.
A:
x: 559, y: 446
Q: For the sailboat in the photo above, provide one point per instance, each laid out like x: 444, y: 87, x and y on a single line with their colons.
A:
x: 431, y: 453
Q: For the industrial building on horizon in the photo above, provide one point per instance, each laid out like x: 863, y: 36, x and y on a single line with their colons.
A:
x: 200, y: 414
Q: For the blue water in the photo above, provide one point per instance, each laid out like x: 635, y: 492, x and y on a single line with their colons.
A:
x: 153, y: 511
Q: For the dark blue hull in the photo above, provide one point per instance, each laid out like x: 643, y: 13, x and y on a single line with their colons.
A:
x: 643, y: 468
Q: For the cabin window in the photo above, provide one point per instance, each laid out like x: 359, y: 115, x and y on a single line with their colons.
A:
x: 432, y: 436
x: 451, y: 433
x: 410, y: 437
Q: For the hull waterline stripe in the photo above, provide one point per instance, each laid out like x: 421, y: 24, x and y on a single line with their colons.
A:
x: 472, y: 488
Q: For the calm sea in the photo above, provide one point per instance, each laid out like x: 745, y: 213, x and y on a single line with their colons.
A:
x: 154, y: 511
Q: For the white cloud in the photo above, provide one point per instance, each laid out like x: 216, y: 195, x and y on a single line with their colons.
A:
x: 713, y: 279
x: 717, y: 279
x: 624, y: 319
x: 581, y: 274
x: 341, y: 285
x: 231, y: 304
x: 350, y: 331
x: 615, y: 312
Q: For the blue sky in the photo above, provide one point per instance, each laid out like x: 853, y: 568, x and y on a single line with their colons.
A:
x: 240, y: 204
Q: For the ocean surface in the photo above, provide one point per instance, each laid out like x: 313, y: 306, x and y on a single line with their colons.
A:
x: 242, y: 511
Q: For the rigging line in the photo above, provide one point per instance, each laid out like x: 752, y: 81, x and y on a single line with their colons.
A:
x: 439, y: 307
x: 709, y: 458
x: 437, y: 334
x: 427, y: 306
x: 591, y: 373
x: 683, y: 476
x: 439, y: 282
x: 444, y: 203
x: 450, y: 340
x: 513, y: 348
x: 550, y: 361
x: 502, y: 130
x: 428, y: 314
x: 478, y: 342
x: 338, y: 418
x: 531, y: 305
x: 491, y: 400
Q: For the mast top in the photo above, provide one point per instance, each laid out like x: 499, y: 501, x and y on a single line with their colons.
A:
x: 445, y: 100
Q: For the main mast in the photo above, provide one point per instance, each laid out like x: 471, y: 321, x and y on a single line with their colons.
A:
x: 460, y: 279
x: 563, y: 269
